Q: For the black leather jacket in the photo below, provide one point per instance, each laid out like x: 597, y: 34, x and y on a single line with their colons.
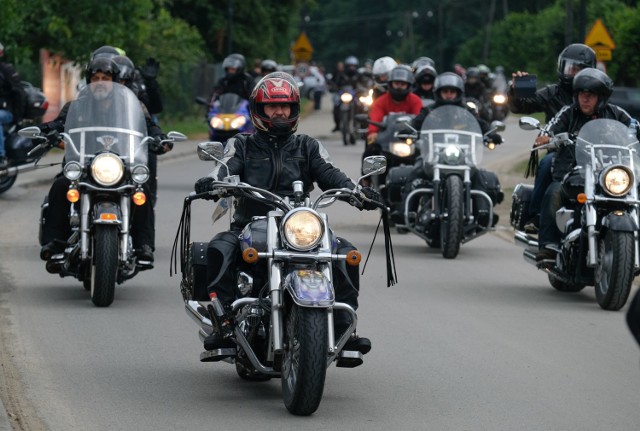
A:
x: 549, y: 99
x: 570, y: 119
x: 273, y: 164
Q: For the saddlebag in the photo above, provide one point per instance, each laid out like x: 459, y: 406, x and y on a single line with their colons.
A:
x: 520, y: 205
x: 489, y: 183
x: 396, y: 180
x: 197, y: 271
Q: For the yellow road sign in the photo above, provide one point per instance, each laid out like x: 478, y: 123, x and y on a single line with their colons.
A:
x: 599, y: 37
x: 603, y: 54
x: 302, y: 49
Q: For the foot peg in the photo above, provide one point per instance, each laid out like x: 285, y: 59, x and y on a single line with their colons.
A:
x: 217, y: 355
x: 349, y: 359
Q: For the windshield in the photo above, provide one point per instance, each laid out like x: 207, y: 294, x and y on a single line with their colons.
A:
x: 450, y: 130
x: 227, y: 103
x: 106, y: 116
x: 603, y: 142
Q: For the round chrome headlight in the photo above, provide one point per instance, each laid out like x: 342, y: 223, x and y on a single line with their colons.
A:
x: 140, y: 174
x: 617, y: 180
x: 72, y: 171
x: 107, y: 169
x: 346, y: 97
x: 302, y: 229
x: 402, y: 149
x: 452, y: 155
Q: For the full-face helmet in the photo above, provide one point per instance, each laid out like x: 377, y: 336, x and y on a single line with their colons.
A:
x: 400, y: 74
x: 276, y: 87
x: 573, y: 59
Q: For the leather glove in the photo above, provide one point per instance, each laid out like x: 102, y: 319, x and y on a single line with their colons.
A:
x: 373, y: 195
x: 204, y: 184
x: 150, y: 69
x: 495, y: 138
x: 158, y: 147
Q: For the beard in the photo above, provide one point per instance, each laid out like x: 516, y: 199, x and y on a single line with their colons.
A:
x: 101, y: 92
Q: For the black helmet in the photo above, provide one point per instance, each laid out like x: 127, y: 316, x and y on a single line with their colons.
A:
x: 268, y: 66
x: 448, y: 80
x: 574, y: 58
x: 106, y: 51
x: 594, y: 81
x: 422, y: 61
x: 126, y: 68
x: 235, y: 61
x: 400, y: 73
x: 104, y: 65
x: 425, y: 74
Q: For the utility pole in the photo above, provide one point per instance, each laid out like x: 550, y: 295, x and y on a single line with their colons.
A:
x: 568, y: 31
x: 229, y: 27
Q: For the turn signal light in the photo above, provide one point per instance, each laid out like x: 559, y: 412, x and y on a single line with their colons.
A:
x: 73, y: 195
x: 139, y: 198
x: 354, y: 257
x: 581, y: 198
x: 250, y: 255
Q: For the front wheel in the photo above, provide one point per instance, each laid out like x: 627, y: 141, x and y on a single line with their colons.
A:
x: 305, y: 359
x: 614, y: 270
x: 105, y: 265
x: 345, y: 127
x: 452, y: 224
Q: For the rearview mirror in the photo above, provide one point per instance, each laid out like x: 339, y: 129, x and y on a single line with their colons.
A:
x: 30, y: 132
x: 529, y: 123
x: 498, y: 126
x: 176, y: 136
x: 211, y: 151
x: 374, y: 165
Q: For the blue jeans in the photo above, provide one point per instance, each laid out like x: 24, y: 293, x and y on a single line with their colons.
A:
x: 6, y: 117
x: 542, y: 181
x: 551, y: 202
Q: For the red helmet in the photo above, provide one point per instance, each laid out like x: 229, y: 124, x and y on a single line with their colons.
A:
x: 276, y: 87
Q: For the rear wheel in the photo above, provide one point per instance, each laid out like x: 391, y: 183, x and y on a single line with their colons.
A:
x: 452, y: 224
x: 614, y: 270
x: 6, y: 183
x: 305, y: 359
x: 105, y: 265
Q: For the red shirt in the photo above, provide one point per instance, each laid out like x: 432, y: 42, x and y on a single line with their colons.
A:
x: 385, y: 104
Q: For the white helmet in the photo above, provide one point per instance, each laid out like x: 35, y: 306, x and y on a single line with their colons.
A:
x: 381, y: 69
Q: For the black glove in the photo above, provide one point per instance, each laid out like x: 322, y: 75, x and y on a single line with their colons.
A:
x: 495, y: 138
x: 158, y: 147
x: 373, y: 195
x: 204, y: 184
x: 150, y: 69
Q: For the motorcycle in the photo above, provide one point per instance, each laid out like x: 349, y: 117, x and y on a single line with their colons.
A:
x: 284, y: 317
x: 106, y: 163
x: 455, y: 203
x: 228, y: 115
x: 352, y: 102
x: 599, y: 222
x: 498, y: 98
x: 19, y: 150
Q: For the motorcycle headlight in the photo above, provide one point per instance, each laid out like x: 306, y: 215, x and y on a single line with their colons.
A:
x: 499, y: 99
x: 452, y: 155
x: 302, y: 229
x: 402, y: 149
x: 72, y: 171
x: 617, y: 180
x: 216, y: 123
x: 238, y: 122
x: 346, y: 97
x: 107, y: 169
x: 140, y: 174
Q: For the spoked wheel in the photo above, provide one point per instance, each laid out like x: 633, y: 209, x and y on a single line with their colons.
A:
x: 105, y: 265
x: 614, y: 270
x: 452, y: 223
x: 6, y: 183
x: 305, y: 359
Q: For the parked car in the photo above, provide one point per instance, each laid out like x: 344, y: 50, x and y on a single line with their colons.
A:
x: 627, y: 98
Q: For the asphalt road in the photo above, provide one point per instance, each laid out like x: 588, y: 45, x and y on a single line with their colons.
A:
x: 481, y: 342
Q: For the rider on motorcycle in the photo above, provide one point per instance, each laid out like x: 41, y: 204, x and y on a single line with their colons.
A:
x: 235, y: 79
x: 425, y: 77
x: 273, y: 158
x: 591, y: 91
x: 347, y: 77
x: 381, y: 69
x: 56, y: 228
x: 399, y: 98
x: 549, y: 99
x: 12, y: 101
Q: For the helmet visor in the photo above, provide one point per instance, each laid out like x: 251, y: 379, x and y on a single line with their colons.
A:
x: 571, y: 67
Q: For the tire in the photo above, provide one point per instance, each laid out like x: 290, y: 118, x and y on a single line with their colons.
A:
x: 304, y: 364
x: 561, y: 286
x: 6, y: 183
x: 345, y: 127
x: 105, y: 265
x: 451, y: 226
x: 614, y: 270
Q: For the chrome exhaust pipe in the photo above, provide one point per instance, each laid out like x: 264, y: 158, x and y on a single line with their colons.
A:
x: 191, y: 307
x: 530, y: 257
x: 523, y: 239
